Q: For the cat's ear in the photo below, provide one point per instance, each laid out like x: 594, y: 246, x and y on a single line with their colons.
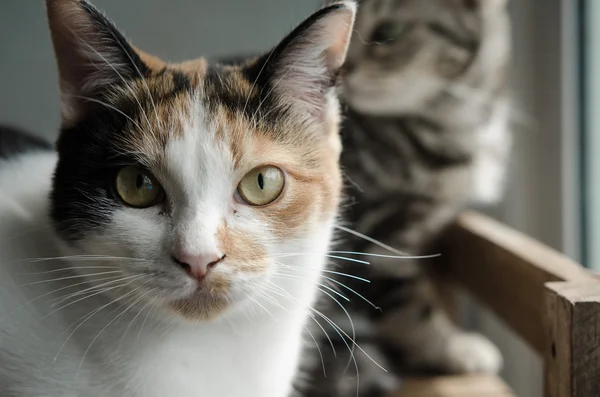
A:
x: 92, y: 55
x: 305, y: 65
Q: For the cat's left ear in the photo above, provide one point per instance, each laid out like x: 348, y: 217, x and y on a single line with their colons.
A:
x: 302, y: 70
x: 92, y: 55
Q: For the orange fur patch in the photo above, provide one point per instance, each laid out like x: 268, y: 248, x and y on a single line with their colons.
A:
x: 207, y: 304
x: 243, y: 252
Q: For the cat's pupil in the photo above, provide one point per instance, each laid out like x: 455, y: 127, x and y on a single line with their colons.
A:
x: 261, y: 181
x: 142, y: 182
x: 139, y: 181
x: 386, y: 32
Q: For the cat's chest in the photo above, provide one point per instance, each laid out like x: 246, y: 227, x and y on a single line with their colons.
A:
x: 219, y: 362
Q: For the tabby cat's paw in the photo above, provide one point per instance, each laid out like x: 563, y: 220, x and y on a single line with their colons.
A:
x: 471, y: 352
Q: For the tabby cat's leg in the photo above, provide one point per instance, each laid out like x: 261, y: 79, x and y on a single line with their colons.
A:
x: 413, y: 324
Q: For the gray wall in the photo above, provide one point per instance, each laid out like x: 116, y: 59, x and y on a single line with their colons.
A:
x: 174, y: 30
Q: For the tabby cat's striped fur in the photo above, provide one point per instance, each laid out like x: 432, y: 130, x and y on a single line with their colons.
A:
x: 425, y: 133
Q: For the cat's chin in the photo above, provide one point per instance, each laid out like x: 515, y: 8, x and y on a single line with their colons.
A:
x: 200, y: 307
x: 205, y: 302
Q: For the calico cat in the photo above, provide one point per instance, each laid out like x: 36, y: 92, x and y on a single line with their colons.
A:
x: 425, y: 132
x: 171, y: 244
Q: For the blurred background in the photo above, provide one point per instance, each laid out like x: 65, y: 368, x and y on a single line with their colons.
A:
x: 552, y: 193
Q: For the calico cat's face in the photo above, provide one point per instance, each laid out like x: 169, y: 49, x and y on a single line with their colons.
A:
x: 406, y: 52
x: 196, y: 179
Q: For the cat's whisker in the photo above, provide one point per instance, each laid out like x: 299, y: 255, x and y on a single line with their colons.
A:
x: 123, y: 312
x: 352, y: 339
x: 327, y: 271
x: 328, y: 256
x: 93, y: 288
x: 64, y: 269
x: 95, y: 293
x: 84, y: 320
x: 295, y: 277
x: 83, y: 258
x: 274, y: 288
x: 370, y: 239
x: 50, y: 293
x: 331, y: 279
x: 345, y: 174
x: 318, y: 350
x: 125, y: 302
x: 336, y: 301
x: 138, y: 314
x: 339, y: 329
x: 27, y: 231
x: 362, y: 40
x: 71, y: 277
x: 270, y: 299
x: 387, y: 256
x: 265, y: 295
x: 368, y: 254
x: 358, y: 346
x: 153, y: 307
x: 260, y: 305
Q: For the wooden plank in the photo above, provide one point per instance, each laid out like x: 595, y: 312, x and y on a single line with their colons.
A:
x: 573, y: 345
x: 456, y: 386
x: 506, y: 270
x: 557, y: 357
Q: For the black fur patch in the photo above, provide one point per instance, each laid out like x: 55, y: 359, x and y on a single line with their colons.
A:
x: 258, y: 105
x: 14, y: 141
x: 82, y: 196
x: 181, y: 83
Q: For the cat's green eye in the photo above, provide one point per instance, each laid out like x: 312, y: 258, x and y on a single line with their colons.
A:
x: 138, y: 188
x: 387, y: 32
x: 262, y: 185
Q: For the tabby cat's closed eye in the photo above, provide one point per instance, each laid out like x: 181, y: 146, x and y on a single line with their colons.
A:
x: 387, y: 32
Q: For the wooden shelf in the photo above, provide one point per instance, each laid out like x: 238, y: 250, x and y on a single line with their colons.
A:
x: 552, y: 302
x: 456, y: 386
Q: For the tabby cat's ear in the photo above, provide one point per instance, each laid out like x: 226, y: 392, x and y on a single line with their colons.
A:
x: 92, y: 55
x: 304, y: 67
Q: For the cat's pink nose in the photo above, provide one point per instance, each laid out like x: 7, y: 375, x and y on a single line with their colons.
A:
x: 198, y: 266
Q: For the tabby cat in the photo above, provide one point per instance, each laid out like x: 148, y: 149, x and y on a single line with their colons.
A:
x: 171, y: 243
x: 425, y: 132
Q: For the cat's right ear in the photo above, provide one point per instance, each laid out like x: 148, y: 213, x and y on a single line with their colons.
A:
x: 92, y: 55
x: 302, y: 70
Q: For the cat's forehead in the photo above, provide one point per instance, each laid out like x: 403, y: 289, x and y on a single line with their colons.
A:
x: 199, y: 107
